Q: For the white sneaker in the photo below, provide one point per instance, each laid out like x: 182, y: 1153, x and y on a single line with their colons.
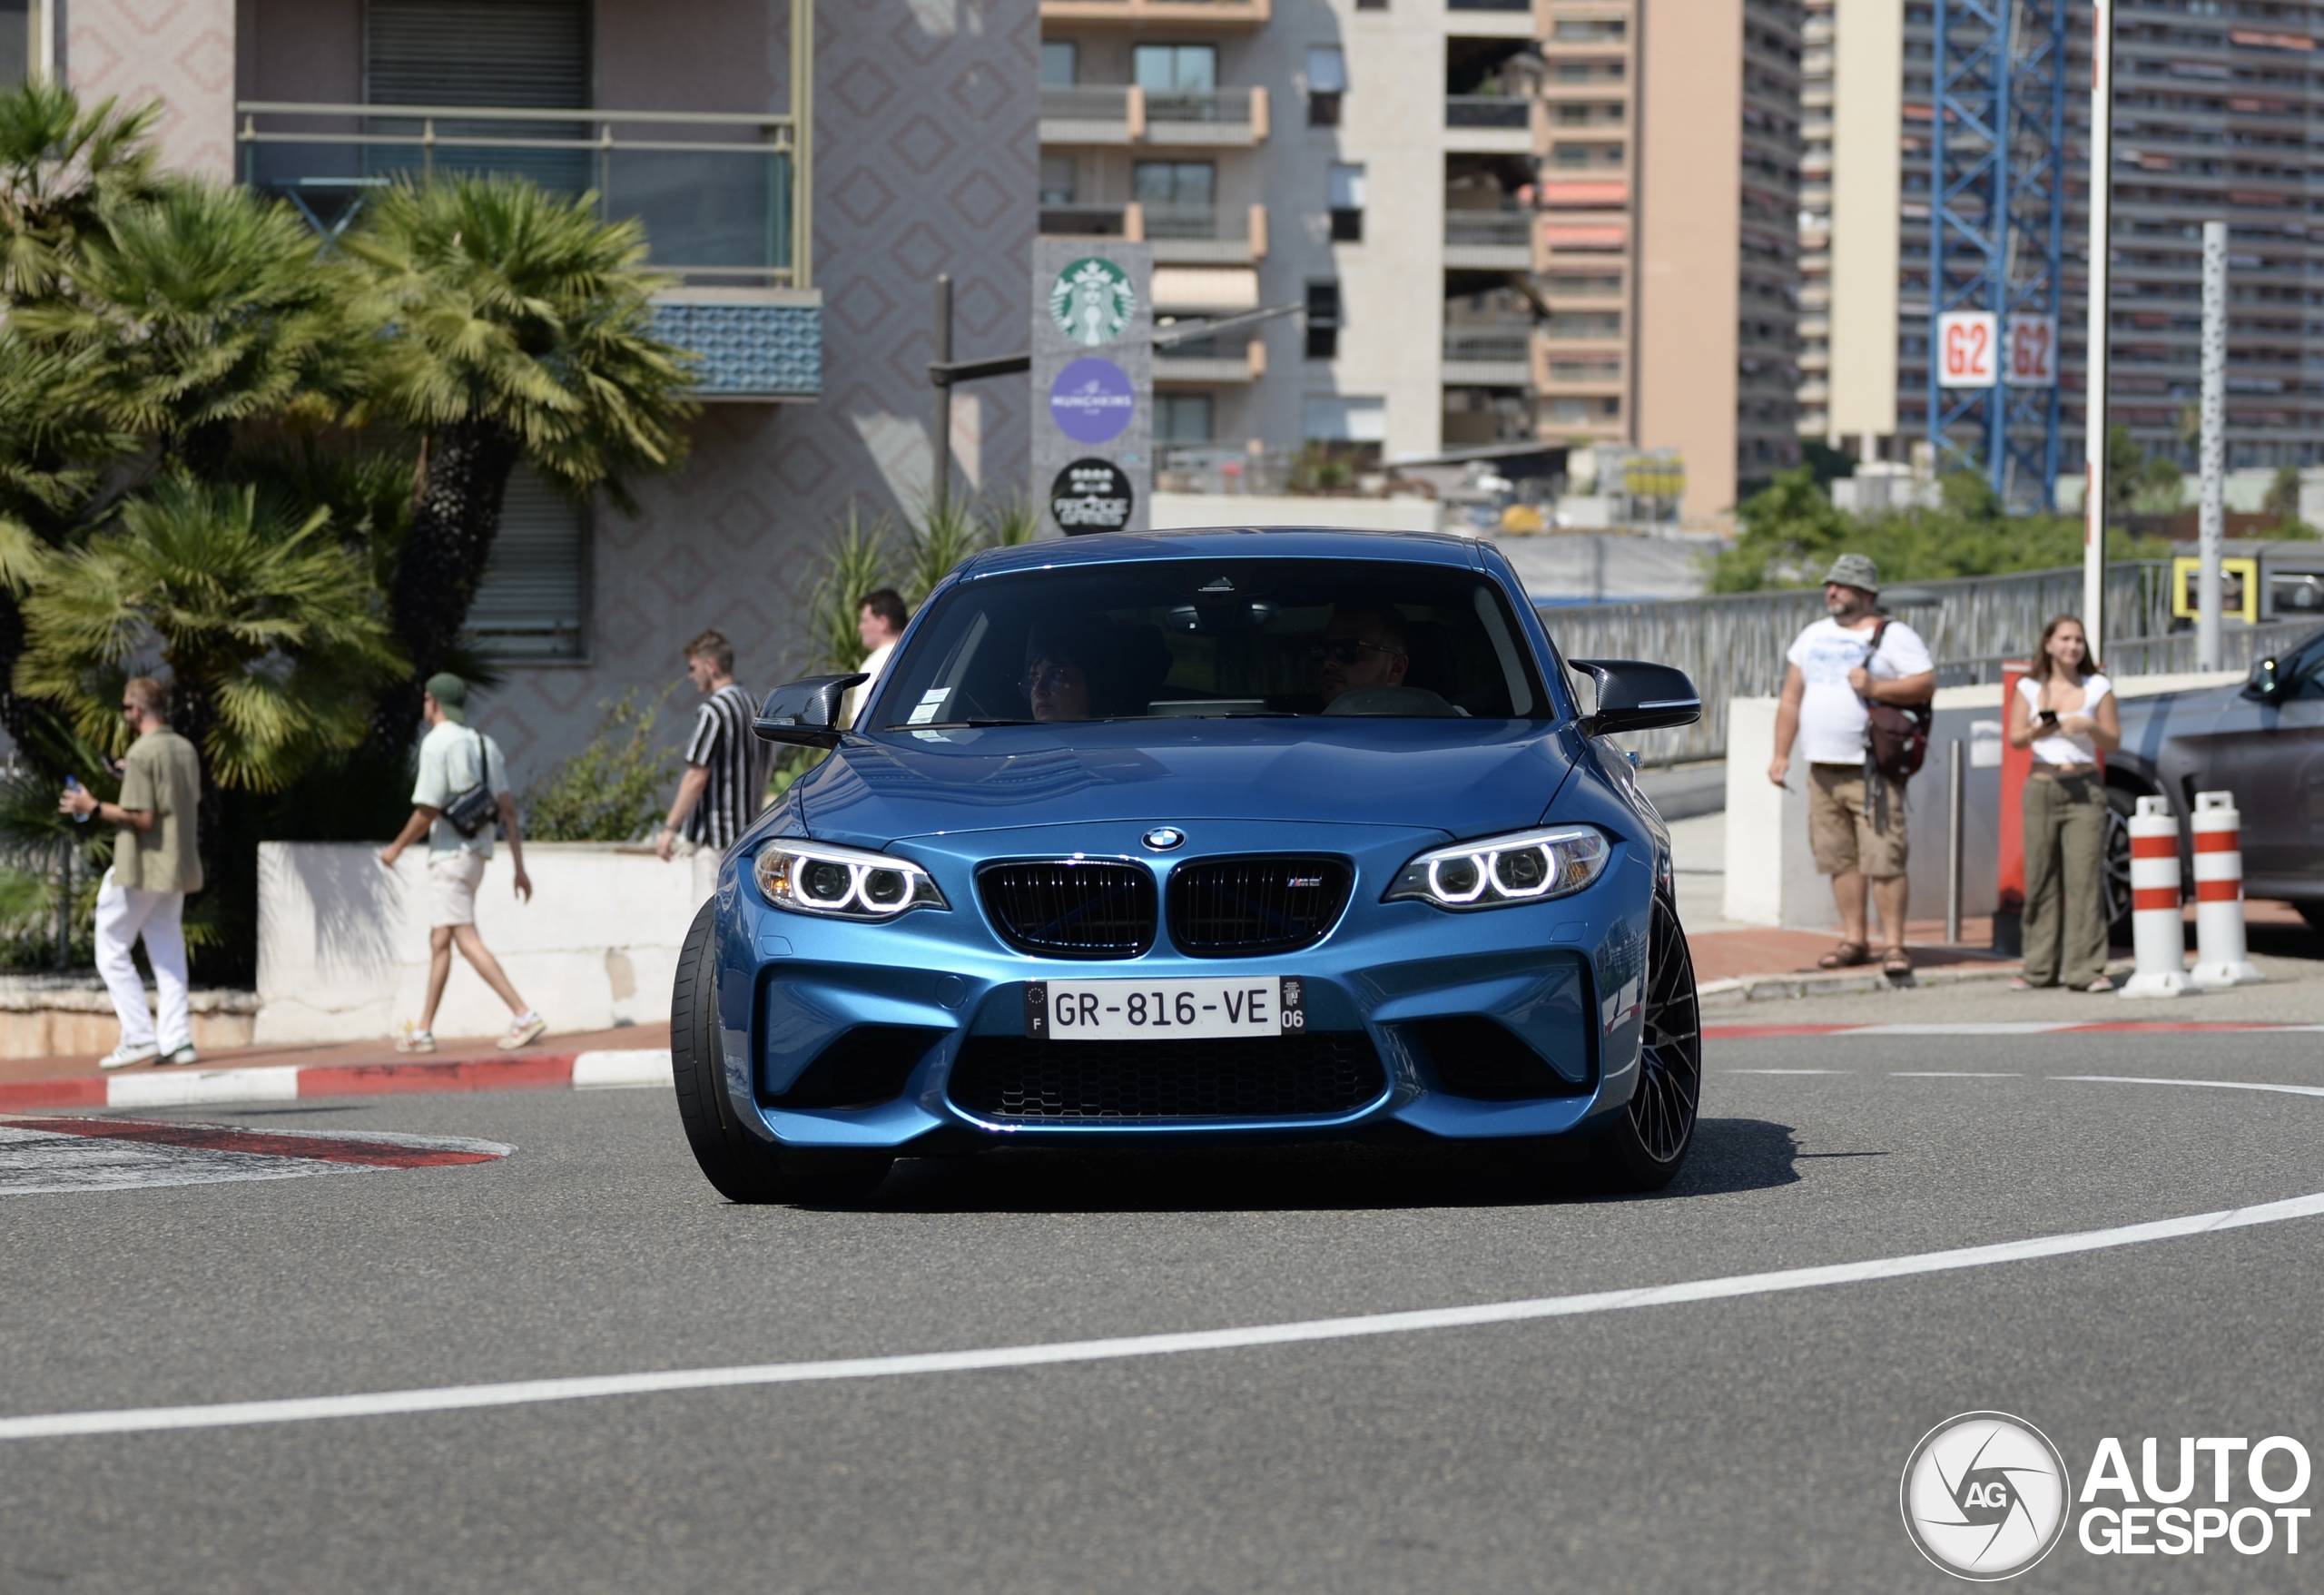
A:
x: 184, y: 1053
x: 522, y: 1031
x: 122, y: 1055
x: 415, y: 1039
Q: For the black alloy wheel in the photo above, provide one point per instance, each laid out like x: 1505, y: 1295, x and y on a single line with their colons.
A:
x: 743, y: 1168
x: 2120, y: 805
x: 1645, y: 1147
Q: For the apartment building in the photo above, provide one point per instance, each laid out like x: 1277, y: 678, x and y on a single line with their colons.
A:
x: 2215, y: 103
x: 806, y: 170
x: 1365, y: 164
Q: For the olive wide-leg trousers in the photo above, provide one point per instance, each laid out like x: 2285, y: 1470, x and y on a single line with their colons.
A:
x: 2066, y: 893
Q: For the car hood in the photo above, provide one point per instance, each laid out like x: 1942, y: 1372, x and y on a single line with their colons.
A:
x: 1464, y: 777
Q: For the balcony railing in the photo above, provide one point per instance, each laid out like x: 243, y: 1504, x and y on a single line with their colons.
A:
x: 1496, y: 344
x: 1198, y: 105
x: 1148, y: 13
x: 1082, y: 220
x: 1487, y: 111
x: 1488, y: 226
x: 720, y: 194
x: 1099, y: 102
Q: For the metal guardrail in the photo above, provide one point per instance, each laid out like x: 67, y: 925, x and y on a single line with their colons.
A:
x: 714, y: 206
x: 1488, y: 226
x: 1487, y: 111
x: 1733, y: 646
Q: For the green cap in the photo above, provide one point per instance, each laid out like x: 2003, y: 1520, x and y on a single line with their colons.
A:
x: 451, y: 695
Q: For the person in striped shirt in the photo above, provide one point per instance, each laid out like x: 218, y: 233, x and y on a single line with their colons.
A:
x: 727, y: 767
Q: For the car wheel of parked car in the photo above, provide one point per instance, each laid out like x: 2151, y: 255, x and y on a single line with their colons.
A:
x: 1646, y: 1146
x: 2120, y: 805
x: 743, y: 1168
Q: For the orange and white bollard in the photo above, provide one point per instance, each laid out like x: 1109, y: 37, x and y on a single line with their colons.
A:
x: 2156, y: 927
x: 2222, y: 959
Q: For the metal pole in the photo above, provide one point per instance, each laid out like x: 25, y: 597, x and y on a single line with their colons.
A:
x: 940, y: 485
x: 2102, y: 192
x: 1955, y: 778
x: 2214, y: 445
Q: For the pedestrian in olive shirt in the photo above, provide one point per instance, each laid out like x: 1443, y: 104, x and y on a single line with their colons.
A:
x: 154, y: 865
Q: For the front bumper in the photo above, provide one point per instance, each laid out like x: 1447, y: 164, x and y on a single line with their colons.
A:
x: 1567, y: 976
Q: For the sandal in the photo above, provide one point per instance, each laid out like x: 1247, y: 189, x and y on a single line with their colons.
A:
x: 1846, y: 955
x: 1896, y: 961
x: 2100, y: 984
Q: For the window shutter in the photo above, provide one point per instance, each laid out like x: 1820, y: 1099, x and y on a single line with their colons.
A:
x: 532, y: 606
x: 512, y: 53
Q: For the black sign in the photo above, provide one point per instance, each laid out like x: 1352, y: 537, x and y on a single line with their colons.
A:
x: 1090, y: 495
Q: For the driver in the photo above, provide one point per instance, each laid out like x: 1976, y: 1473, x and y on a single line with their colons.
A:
x: 1363, y: 647
x: 1057, y: 671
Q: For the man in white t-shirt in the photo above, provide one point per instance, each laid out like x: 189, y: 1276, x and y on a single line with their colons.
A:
x: 1856, y: 836
x: 880, y: 621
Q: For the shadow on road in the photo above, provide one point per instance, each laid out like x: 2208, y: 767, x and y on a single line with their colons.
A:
x: 1730, y: 1155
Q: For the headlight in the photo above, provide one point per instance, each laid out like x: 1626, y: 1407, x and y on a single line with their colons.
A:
x: 1499, y: 870
x: 841, y: 882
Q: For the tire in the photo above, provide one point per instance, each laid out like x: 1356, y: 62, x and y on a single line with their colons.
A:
x: 1647, y: 1145
x: 742, y: 1167
x: 2120, y: 805
x: 2312, y: 910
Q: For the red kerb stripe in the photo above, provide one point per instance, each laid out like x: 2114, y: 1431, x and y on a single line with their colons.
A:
x: 86, y: 1092
x: 383, y: 1079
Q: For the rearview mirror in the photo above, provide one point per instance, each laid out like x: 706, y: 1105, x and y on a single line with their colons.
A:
x: 805, y: 713
x: 1633, y: 695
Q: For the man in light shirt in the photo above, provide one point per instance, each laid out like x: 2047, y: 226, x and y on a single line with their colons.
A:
x: 1856, y: 834
x: 879, y: 620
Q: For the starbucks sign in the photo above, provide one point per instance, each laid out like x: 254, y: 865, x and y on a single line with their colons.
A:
x: 1092, y: 301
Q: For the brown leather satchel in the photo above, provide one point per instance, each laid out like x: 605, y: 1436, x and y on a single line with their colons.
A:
x: 1897, y: 735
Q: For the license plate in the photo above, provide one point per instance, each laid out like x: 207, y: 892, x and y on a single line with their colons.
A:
x: 1149, y: 1011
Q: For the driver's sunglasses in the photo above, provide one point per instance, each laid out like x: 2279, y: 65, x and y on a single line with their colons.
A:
x: 1057, y: 677
x: 1348, y: 650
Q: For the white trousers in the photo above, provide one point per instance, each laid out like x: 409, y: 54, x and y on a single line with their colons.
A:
x: 124, y: 913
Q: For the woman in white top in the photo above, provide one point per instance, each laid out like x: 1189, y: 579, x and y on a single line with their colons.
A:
x: 2065, y: 713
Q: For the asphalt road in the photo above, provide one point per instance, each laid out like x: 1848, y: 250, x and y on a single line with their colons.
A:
x: 1746, y: 1443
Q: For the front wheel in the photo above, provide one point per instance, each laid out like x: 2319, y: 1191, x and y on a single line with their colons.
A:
x: 743, y: 1168
x: 1646, y: 1146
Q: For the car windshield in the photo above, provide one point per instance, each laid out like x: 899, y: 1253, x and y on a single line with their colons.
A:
x: 1214, y: 639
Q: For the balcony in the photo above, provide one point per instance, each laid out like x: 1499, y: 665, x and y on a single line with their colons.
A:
x: 1203, y: 366
x: 1181, y: 235
x: 1497, y: 124
x: 1218, y: 15
x: 717, y: 195
x: 1497, y: 355
x: 1124, y: 114
x: 1488, y: 240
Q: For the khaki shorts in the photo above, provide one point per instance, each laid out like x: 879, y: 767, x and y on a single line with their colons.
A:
x: 1842, y: 834
x: 452, y: 880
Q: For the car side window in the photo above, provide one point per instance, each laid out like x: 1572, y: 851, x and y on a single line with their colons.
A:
x: 2307, y: 679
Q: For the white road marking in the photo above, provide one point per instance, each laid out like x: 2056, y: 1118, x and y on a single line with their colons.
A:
x: 614, y: 1070
x: 1992, y: 1028
x: 1952, y: 1073
x: 1784, y: 1071
x: 32, y: 1162
x: 531, y: 1392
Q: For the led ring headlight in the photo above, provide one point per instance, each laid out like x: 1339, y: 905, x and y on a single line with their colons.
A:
x: 1496, y: 872
x: 841, y: 882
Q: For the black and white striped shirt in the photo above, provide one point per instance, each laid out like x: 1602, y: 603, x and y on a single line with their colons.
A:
x: 723, y: 744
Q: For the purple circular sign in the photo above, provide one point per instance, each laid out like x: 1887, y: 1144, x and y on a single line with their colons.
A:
x: 1092, y: 400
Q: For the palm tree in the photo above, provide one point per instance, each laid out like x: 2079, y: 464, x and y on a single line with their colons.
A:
x: 62, y: 168
x: 518, y: 327
x: 197, y: 310
x: 271, y: 632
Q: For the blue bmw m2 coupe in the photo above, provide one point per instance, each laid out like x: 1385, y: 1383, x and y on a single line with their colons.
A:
x: 1218, y: 836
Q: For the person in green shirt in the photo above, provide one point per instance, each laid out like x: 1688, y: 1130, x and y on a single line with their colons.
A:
x: 155, y: 864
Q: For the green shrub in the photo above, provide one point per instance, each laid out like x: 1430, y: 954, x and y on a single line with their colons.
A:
x: 617, y: 788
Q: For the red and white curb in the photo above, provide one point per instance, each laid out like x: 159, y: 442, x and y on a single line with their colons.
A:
x: 194, y: 1087
x: 2001, y: 1028
x: 52, y: 1155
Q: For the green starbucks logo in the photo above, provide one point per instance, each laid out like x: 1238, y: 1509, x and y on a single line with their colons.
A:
x: 1092, y: 302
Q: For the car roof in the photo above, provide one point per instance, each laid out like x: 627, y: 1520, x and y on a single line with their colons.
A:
x: 1439, y: 548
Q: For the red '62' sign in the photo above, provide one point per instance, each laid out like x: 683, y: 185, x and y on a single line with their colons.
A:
x: 1975, y: 349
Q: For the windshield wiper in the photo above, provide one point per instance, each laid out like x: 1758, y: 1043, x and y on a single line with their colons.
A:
x: 958, y: 725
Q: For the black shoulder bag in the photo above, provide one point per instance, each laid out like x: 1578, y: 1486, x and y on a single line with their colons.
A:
x: 475, y: 808
x: 1895, y: 734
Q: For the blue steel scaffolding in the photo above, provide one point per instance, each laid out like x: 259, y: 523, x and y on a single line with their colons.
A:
x: 1996, y: 228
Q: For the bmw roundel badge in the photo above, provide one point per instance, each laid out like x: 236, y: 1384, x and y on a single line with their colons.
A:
x: 1163, y: 838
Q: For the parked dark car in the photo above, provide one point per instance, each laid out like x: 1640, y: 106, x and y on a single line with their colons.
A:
x: 2263, y: 741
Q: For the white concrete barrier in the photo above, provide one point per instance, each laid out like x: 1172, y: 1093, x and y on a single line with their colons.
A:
x: 342, y: 945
